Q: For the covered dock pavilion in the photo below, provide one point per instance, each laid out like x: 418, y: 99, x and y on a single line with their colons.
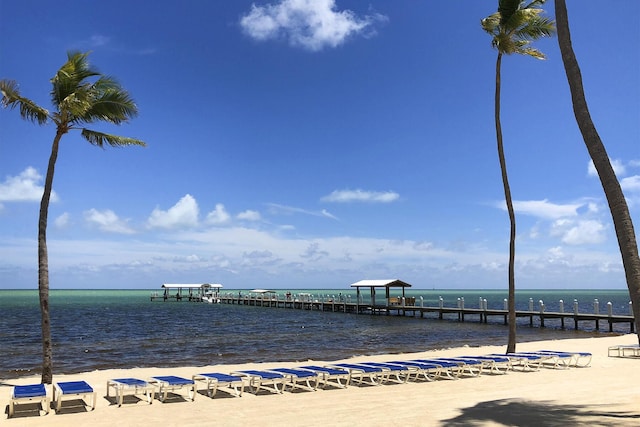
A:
x: 387, y: 285
x: 187, y: 291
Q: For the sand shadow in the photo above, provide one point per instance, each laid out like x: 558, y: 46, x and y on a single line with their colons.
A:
x: 516, y: 412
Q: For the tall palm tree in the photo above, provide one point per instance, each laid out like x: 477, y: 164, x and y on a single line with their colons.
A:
x: 76, y: 101
x: 512, y: 29
x: 617, y: 203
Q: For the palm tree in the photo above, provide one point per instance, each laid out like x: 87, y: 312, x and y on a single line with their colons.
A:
x: 77, y: 102
x: 617, y: 203
x: 513, y: 28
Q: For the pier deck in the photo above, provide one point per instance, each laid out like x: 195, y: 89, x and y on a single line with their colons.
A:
x: 450, y: 313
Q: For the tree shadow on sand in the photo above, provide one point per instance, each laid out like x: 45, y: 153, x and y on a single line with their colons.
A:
x: 515, y: 412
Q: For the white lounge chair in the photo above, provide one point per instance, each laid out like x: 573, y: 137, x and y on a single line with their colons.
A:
x: 299, y: 378
x: 171, y: 383
x: 627, y: 350
x: 74, y: 389
x: 130, y: 386
x: 213, y: 381
x: 29, y: 394
x: 330, y: 376
x: 360, y: 373
x: 258, y: 380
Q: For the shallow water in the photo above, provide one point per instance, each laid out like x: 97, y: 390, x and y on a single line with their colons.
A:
x: 99, y: 329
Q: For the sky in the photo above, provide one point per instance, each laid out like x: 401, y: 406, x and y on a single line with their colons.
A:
x: 314, y: 143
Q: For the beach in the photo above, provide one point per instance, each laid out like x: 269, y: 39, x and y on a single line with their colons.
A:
x: 605, y: 393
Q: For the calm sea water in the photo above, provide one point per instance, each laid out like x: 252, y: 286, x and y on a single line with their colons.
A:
x: 99, y: 329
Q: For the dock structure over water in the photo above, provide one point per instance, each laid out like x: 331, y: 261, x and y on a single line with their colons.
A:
x: 193, y: 292
x: 408, y: 306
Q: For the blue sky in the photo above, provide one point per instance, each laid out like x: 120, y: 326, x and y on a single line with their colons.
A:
x: 311, y: 144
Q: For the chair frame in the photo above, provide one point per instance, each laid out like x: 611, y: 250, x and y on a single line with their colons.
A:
x: 263, y: 379
x: 132, y: 387
x: 29, y: 395
x: 80, y: 389
x: 213, y: 381
x: 170, y: 383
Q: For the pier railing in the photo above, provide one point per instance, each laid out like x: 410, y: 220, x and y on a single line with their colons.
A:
x: 411, y: 306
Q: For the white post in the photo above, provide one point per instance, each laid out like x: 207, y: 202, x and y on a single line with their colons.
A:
x: 530, y: 304
x: 480, y: 303
x: 422, y: 302
x: 541, y: 306
x: 484, y: 304
x: 575, y: 306
x: 459, y: 303
x: 610, y: 309
x: 440, y: 302
x: 561, y: 306
x: 505, y: 304
x: 462, y: 302
x: 596, y: 306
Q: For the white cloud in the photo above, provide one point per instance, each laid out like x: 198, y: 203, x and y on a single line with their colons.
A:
x: 182, y: 214
x: 249, y: 215
x: 346, y: 196
x: 617, y: 165
x: 24, y: 187
x: 218, y: 216
x: 62, y: 221
x: 277, y: 209
x: 579, y: 232
x: 311, y: 24
x: 107, y: 221
x: 543, y: 208
x: 631, y: 183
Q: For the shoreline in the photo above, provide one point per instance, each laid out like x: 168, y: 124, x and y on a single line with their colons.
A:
x: 606, y: 393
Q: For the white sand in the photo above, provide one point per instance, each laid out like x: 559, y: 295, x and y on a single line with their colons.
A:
x: 607, y: 393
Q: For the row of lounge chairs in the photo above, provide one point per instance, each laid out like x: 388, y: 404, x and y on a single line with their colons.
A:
x: 307, y: 377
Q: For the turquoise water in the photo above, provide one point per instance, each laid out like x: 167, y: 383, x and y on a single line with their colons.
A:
x: 99, y: 329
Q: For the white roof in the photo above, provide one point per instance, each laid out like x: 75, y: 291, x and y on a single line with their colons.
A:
x: 191, y: 285
x: 384, y: 283
x: 261, y: 291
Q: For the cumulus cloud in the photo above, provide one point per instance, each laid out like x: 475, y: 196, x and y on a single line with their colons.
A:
x: 579, y: 232
x: 631, y: 183
x: 219, y: 215
x: 107, y: 221
x: 249, y: 215
x: 24, y: 188
x: 182, y: 214
x: 347, y: 196
x: 544, y: 208
x: 310, y: 24
x: 62, y: 221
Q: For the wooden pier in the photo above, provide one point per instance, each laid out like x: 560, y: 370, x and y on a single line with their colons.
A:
x: 461, y: 314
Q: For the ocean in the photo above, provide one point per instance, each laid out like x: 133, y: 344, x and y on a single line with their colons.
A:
x: 102, y: 329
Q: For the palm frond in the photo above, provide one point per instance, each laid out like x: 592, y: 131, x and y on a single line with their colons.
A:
x: 70, y: 76
x: 29, y: 110
x: 99, y: 139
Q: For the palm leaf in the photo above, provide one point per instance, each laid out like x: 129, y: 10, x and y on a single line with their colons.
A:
x: 99, y: 139
x: 29, y: 110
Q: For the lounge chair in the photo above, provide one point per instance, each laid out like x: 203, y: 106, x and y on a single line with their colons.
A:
x: 78, y: 389
x: 360, y: 373
x: 130, y: 386
x: 396, y: 372
x: 429, y: 371
x: 450, y: 370
x: 524, y: 361
x: 624, y: 350
x: 552, y: 360
x: 580, y: 359
x: 330, y: 376
x: 272, y: 381
x: 29, y: 394
x: 213, y: 381
x: 494, y: 364
x: 299, y: 378
x: 471, y: 367
x: 171, y: 383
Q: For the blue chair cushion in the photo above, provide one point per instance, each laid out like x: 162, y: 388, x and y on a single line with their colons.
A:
x: 75, y: 387
x: 26, y: 391
x: 173, y: 380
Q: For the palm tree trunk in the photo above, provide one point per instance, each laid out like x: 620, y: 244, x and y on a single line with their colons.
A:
x: 511, y: 343
x: 43, y: 265
x: 612, y: 190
